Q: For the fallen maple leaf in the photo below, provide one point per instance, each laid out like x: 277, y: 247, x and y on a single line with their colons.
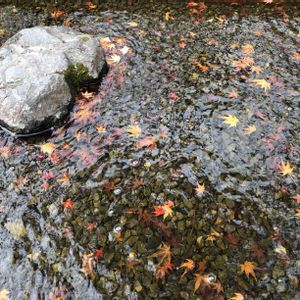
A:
x: 64, y: 179
x: 247, y: 49
x: 47, y: 148
x: 101, y: 129
x: 5, y: 151
x: 133, y: 24
x: 88, y: 264
x: 296, y: 55
x: 231, y: 120
x: 168, y: 16
x: 4, y: 294
x: 82, y: 115
x: 90, y: 5
x: 162, y: 269
x: 200, y: 189
x: 297, y: 198
x: 250, y: 129
x: 297, y: 212
x: 237, y: 296
x: 163, y: 210
x: 163, y: 253
x: 114, y: 59
x: 87, y: 95
x: 285, y: 168
x: 168, y: 211
x: 134, y: 130
x: 233, y: 95
x: 147, y: 141
x: 173, y: 96
x: 218, y: 287
x: 262, y: 83
x: 55, y: 14
x: 68, y: 204
x: 256, y: 69
x: 158, y: 210
x: 199, y: 280
x: 188, y: 265
x: 248, y: 268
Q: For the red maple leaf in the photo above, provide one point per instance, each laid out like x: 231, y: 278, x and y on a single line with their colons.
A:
x: 98, y: 253
x: 158, y: 210
x: 68, y: 204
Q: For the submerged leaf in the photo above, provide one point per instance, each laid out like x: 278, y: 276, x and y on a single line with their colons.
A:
x: 248, y: 268
x: 16, y: 228
x: 231, y: 120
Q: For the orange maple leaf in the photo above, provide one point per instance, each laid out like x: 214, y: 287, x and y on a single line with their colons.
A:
x: 147, y: 141
x: 163, y: 253
x: 297, y: 198
x: 188, y: 265
x: 248, y: 268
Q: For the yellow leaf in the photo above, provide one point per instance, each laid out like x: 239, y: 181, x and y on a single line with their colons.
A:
x: 237, y: 296
x: 200, y: 189
x: 87, y: 95
x: 114, y: 59
x: 231, y: 120
x: 213, y: 235
x: 168, y: 211
x: 256, y: 69
x: 134, y: 130
x: 133, y: 24
x: 4, y: 294
x: 297, y: 212
x: 280, y: 250
x: 47, y: 148
x: 262, y: 83
x: 250, y: 129
x: 168, y: 16
x: 101, y: 129
x: 286, y: 169
x: 248, y: 268
x: 16, y: 228
x: 247, y: 49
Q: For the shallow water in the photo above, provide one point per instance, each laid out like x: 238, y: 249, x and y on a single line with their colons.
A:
x: 176, y: 77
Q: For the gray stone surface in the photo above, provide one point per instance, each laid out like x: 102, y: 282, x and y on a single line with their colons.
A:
x: 33, y: 90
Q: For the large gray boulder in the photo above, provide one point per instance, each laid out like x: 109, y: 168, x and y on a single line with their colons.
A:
x: 34, y: 90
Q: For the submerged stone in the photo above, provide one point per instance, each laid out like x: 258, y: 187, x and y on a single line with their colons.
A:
x: 39, y: 69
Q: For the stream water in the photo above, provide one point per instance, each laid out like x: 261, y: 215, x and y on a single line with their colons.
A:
x: 76, y: 206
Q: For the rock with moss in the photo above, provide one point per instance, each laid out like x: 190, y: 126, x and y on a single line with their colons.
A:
x: 40, y: 70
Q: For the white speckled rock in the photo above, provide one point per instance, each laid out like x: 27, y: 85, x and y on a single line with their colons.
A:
x: 33, y: 89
